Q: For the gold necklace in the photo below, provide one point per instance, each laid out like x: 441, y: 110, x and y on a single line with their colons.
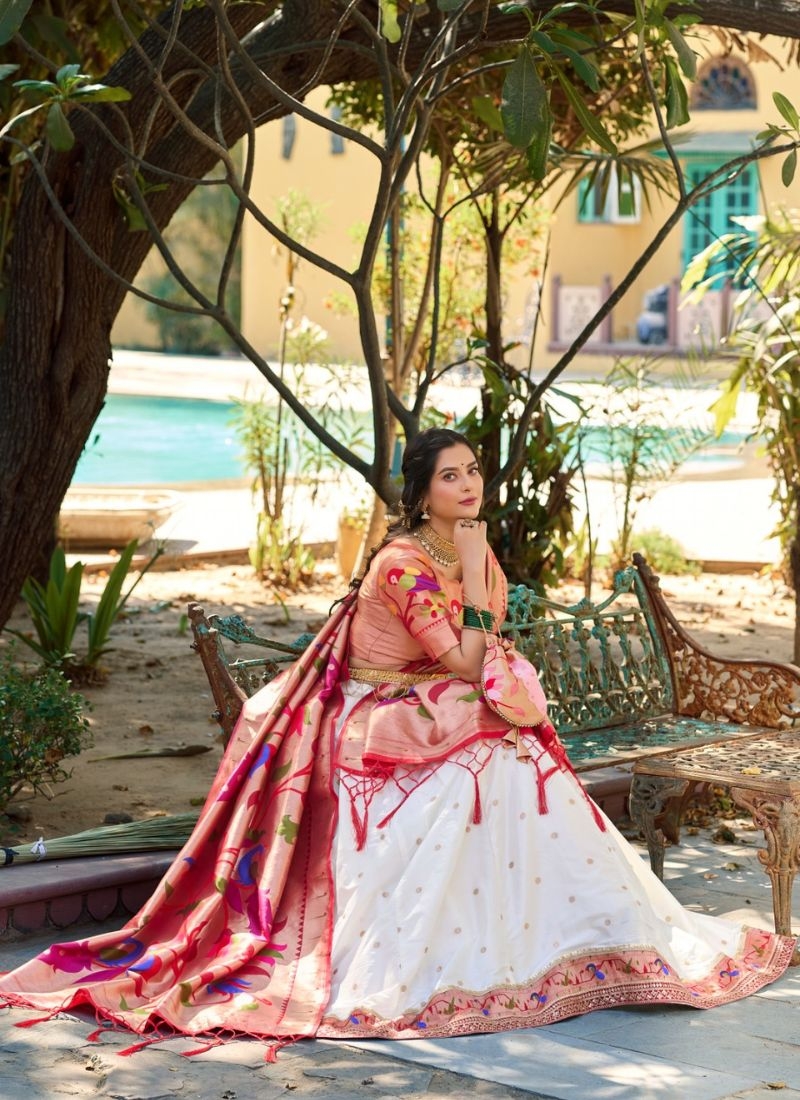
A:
x: 442, y: 550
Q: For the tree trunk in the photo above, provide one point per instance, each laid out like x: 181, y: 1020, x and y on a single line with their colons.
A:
x: 55, y: 359
x: 491, y: 448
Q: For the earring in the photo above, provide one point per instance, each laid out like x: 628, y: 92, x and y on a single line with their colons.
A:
x: 424, y: 514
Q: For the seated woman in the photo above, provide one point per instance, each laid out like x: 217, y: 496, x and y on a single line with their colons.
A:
x: 383, y: 853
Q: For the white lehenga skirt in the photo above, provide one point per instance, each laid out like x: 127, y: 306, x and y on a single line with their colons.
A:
x: 443, y: 926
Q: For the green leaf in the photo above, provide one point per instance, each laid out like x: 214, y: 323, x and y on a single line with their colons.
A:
x: 109, y: 605
x: 68, y: 75
x: 45, y: 88
x: 390, y: 28
x: 54, y: 32
x: 488, y: 112
x: 724, y: 409
x: 677, y: 98
x: 525, y: 110
x: 58, y: 130
x: 786, y: 109
x: 558, y: 44
x: 7, y: 70
x: 277, y: 774
x: 590, y: 124
x: 538, y: 152
x: 102, y: 93
x: 685, y: 54
x: 544, y: 42
x: 788, y: 168
x: 12, y: 16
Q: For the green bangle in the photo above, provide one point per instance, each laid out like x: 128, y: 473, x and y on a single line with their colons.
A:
x: 472, y: 618
x: 476, y: 619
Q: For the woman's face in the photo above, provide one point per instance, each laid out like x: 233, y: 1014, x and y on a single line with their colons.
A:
x: 456, y: 487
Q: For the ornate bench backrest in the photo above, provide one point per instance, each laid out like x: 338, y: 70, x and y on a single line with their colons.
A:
x: 600, y: 664
x: 234, y: 678
x: 251, y: 673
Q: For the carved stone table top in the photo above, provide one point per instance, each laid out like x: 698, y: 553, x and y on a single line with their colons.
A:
x: 770, y: 764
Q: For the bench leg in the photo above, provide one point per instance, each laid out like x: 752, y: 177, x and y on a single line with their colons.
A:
x: 647, y: 801
x: 779, y: 819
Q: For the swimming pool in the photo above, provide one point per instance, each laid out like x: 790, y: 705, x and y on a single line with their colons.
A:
x: 160, y: 440
x: 143, y: 440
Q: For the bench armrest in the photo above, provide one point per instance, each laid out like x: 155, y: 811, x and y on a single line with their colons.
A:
x: 753, y: 692
x: 229, y: 698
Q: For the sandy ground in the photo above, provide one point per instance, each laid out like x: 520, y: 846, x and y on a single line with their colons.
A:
x: 156, y: 695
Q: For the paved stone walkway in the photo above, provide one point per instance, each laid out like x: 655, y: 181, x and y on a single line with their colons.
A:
x: 749, y: 1050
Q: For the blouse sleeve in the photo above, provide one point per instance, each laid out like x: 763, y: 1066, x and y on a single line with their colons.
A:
x: 407, y: 585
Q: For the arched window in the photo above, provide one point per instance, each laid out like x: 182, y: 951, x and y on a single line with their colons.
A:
x: 724, y: 84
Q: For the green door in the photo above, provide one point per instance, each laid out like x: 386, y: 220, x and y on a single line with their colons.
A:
x: 711, y: 217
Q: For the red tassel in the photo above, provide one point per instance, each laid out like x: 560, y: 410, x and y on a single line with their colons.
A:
x: 271, y: 1053
x: 140, y: 1046
x: 477, y: 813
x: 359, y: 825
x: 38, y: 1020
x: 199, y: 1050
x: 95, y: 1035
x: 598, y: 817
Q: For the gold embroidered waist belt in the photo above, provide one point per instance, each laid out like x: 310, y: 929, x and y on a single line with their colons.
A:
x: 391, y: 676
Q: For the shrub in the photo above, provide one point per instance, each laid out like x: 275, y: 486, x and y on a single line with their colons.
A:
x: 42, y: 722
x: 664, y: 553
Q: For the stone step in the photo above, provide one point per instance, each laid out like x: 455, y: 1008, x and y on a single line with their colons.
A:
x: 60, y: 892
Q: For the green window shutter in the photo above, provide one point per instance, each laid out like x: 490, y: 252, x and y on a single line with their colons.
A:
x: 591, y: 207
x: 617, y: 203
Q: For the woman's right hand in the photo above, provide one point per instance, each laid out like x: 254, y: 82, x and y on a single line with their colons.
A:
x: 469, y: 538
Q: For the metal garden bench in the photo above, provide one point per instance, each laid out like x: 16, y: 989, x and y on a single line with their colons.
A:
x: 623, y: 679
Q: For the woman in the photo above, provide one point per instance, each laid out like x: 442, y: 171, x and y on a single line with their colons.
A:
x: 383, y: 854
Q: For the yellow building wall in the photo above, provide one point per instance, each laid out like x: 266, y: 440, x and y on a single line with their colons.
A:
x: 587, y: 253
x: 343, y: 186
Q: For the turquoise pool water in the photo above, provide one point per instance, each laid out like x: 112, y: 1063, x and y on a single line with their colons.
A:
x: 169, y: 440
x: 160, y: 440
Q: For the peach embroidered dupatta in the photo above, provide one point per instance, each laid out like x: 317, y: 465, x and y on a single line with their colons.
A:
x: 236, y: 938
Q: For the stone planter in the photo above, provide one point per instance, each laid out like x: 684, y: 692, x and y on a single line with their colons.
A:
x: 106, y: 517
